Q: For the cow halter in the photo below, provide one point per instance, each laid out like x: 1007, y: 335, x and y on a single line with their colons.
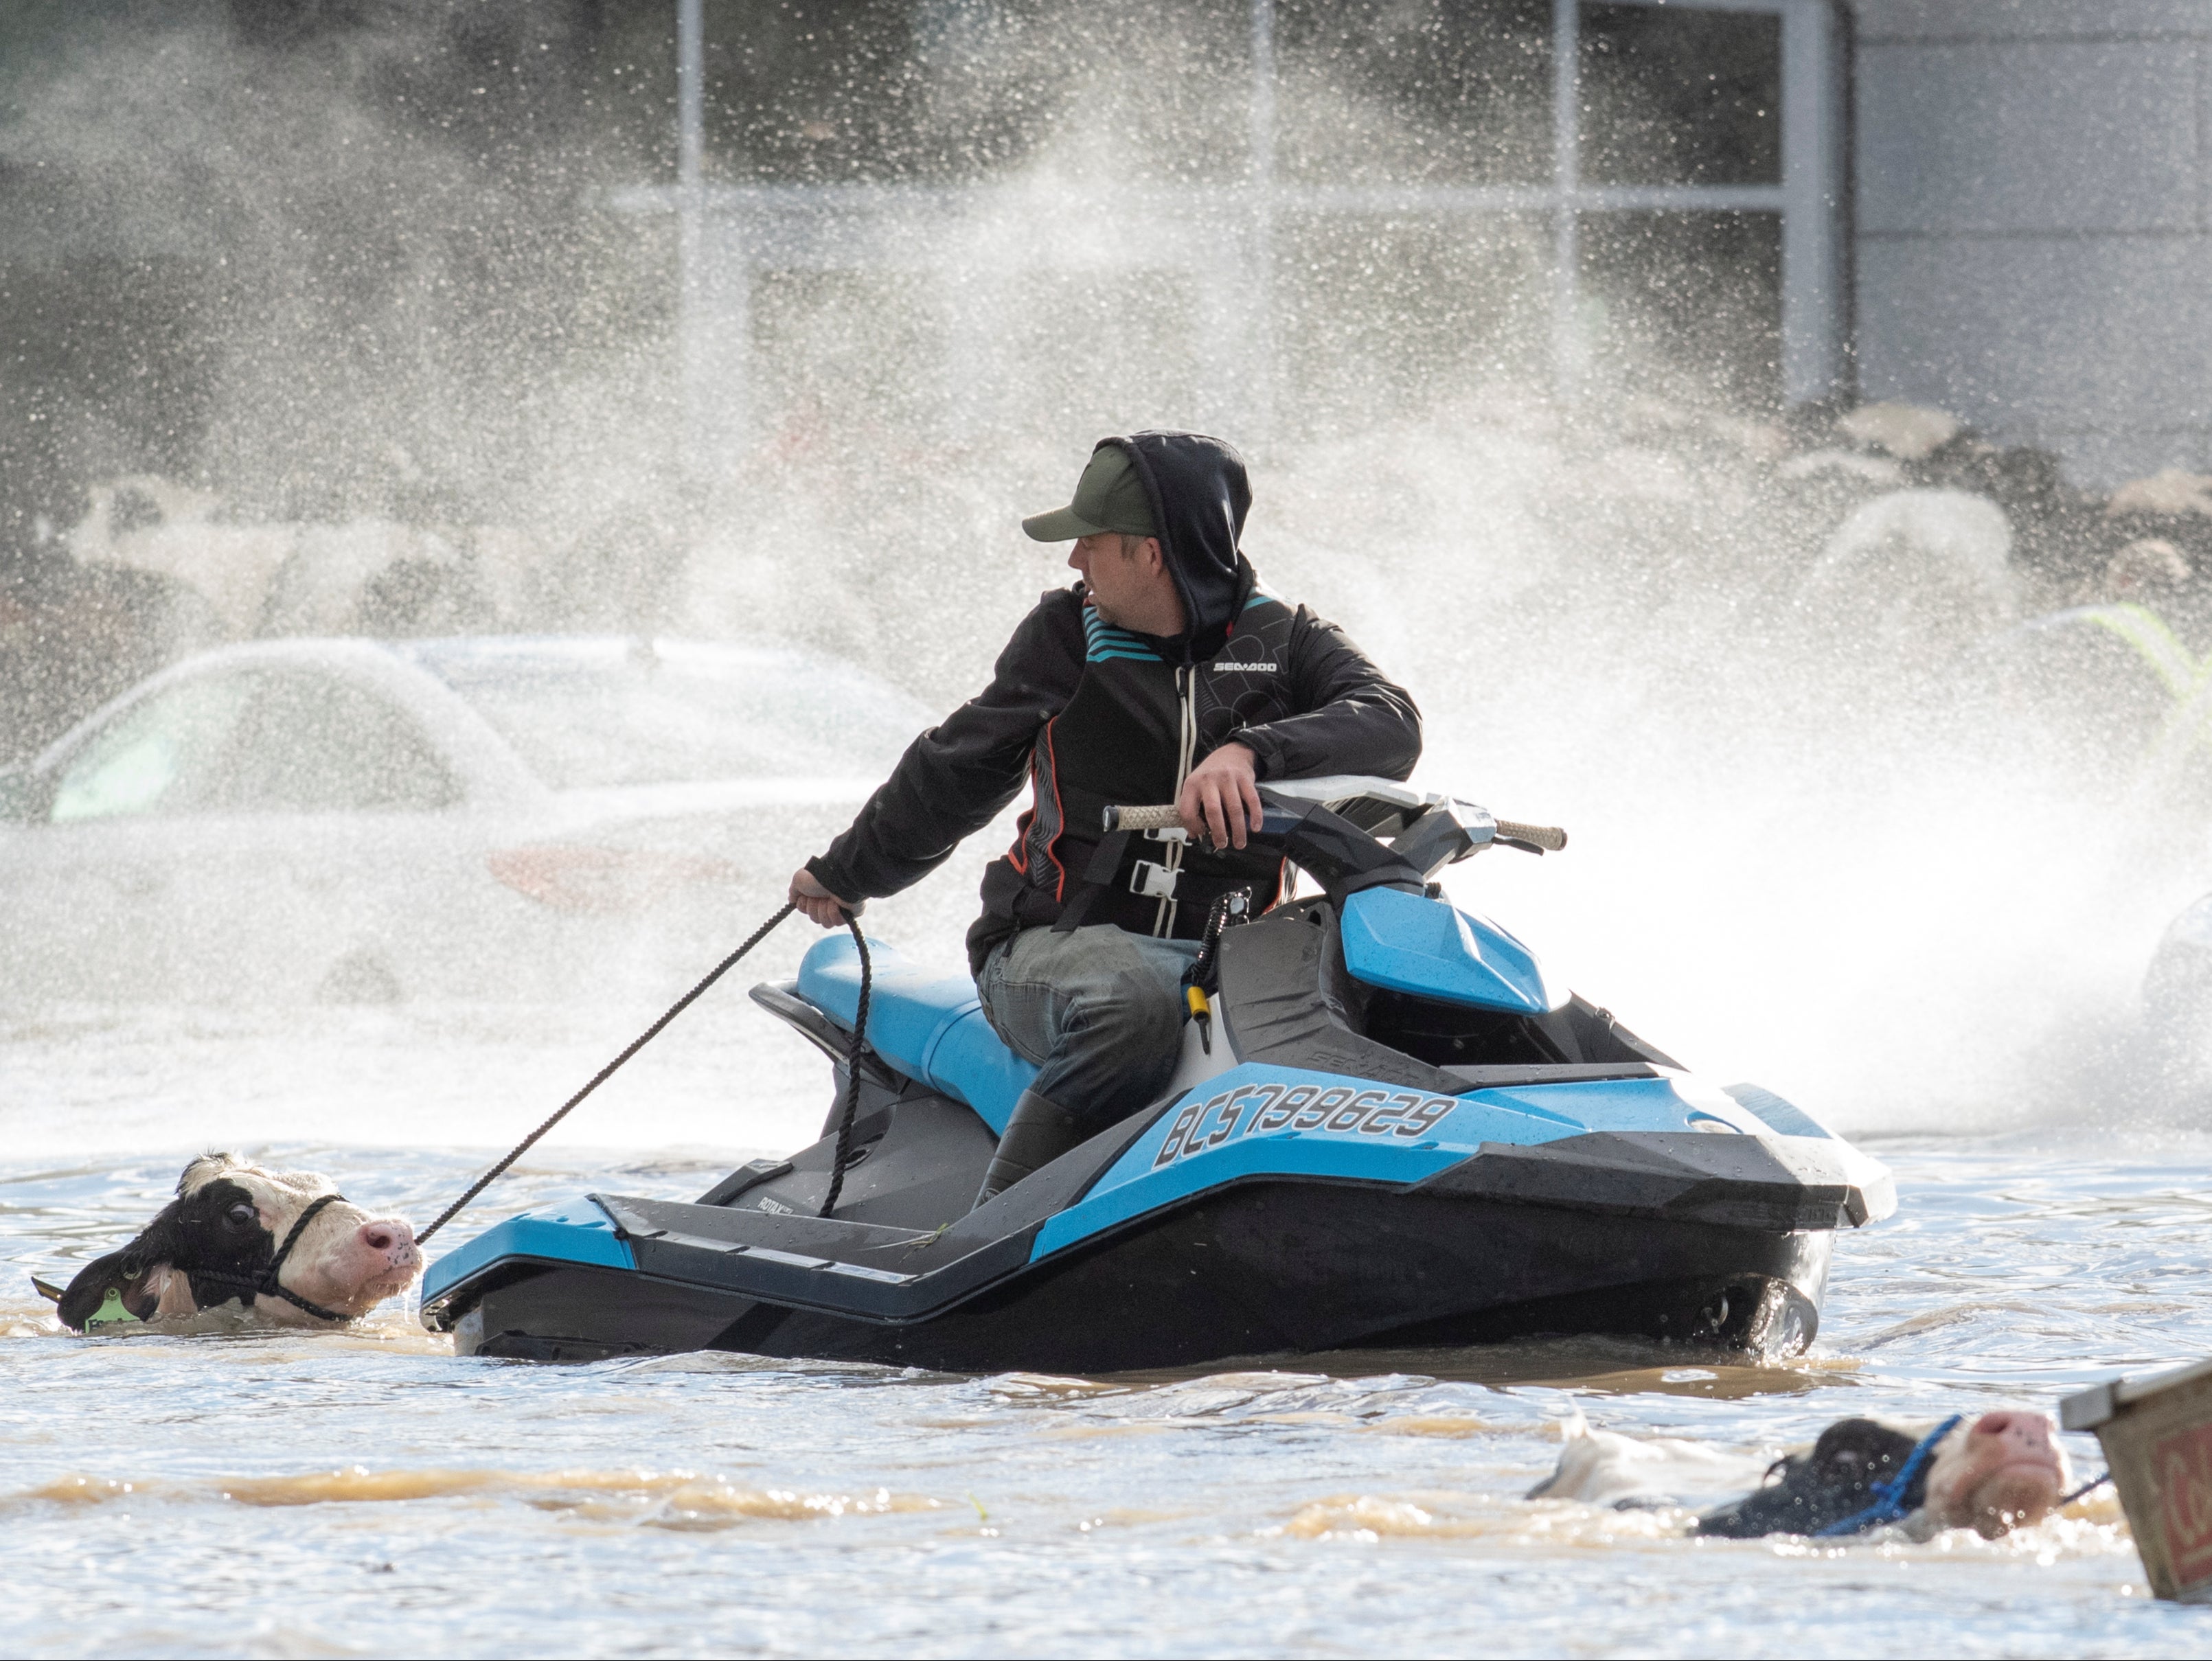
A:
x: 266, y: 1284
x: 1889, y: 1505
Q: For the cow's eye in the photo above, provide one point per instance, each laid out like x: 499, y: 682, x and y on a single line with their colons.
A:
x: 241, y: 1214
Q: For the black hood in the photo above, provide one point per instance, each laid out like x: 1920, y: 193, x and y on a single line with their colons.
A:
x: 1198, y: 494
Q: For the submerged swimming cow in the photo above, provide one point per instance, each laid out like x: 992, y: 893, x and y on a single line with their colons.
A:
x: 282, y: 1245
x: 1991, y: 1473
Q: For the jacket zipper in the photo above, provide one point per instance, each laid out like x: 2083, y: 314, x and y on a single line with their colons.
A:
x: 1186, y: 724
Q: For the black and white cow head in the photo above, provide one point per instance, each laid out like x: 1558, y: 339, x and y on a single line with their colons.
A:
x: 214, y: 1244
x: 1992, y: 1473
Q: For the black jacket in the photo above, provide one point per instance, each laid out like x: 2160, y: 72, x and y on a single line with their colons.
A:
x: 1247, y: 667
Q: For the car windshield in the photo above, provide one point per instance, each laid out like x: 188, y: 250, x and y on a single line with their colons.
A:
x: 587, y: 714
x: 265, y: 739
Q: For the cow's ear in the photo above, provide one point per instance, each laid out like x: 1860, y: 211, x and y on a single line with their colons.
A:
x: 84, y: 1295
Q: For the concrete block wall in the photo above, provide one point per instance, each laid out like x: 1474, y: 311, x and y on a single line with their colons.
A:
x: 2034, y: 238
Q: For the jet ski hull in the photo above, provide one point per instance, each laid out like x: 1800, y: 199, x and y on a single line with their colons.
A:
x: 1193, y: 1233
x: 1259, y: 1268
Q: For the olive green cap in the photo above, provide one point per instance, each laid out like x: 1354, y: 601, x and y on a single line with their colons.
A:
x: 1109, y: 496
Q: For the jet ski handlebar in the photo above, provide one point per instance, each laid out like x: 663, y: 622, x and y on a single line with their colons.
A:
x: 1548, y: 838
x: 1143, y: 819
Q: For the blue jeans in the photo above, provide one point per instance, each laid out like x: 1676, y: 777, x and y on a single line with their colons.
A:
x: 1099, y: 1010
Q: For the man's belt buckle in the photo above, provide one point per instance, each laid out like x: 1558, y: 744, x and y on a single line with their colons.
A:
x: 1152, y: 881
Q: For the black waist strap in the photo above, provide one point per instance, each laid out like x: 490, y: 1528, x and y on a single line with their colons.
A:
x: 1109, y: 892
x: 1097, y: 877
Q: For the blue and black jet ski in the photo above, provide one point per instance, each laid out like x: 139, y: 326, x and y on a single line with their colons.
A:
x: 1389, y: 1127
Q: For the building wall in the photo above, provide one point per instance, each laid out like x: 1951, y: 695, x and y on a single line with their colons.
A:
x: 2033, y: 245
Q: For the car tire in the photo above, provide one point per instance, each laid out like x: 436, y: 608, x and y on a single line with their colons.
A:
x: 360, y: 976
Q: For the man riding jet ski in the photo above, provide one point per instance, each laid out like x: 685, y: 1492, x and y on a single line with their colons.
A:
x: 1165, y: 675
x: 1380, y: 1124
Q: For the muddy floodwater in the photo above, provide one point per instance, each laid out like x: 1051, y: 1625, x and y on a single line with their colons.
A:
x: 365, y: 1492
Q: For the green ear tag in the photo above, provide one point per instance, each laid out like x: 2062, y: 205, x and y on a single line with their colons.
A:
x: 110, y: 1312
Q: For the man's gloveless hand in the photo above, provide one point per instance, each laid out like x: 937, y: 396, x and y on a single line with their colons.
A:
x: 1220, y: 800
x: 818, y: 904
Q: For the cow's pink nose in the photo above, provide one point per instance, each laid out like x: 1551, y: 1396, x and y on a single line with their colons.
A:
x: 2028, y: 1429
x: 387, y: 1236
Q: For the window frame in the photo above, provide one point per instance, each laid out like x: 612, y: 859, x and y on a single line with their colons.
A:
x: 727, y: 233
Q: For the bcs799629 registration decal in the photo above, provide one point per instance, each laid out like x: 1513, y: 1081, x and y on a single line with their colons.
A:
x: 1255, y: 1108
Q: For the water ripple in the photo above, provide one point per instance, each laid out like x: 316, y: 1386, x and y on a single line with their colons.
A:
x: 339, y: 1494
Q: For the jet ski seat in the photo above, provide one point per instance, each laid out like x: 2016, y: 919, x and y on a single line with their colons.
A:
x: 929, y: 1026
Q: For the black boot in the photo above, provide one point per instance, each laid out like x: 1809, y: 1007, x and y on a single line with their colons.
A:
x: 1039, y: 1133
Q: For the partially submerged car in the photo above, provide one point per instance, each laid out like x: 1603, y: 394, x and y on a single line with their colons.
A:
x: 484, y: 818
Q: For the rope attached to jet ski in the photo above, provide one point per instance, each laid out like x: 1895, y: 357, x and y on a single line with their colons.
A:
x: 653, y: 1032
x: 2089, y: 1487
x: 852, y: 1075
